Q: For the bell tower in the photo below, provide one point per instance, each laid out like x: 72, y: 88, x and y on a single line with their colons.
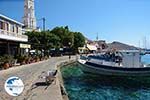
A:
x: 29, y: 18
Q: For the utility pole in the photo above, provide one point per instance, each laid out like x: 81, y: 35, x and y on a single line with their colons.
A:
x: 43, y: 22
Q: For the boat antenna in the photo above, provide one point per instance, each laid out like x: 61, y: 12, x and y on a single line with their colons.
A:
x: 144, y: 42
x: 139, y: 43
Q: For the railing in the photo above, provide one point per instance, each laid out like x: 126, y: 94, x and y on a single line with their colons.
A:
x: 4, y: 32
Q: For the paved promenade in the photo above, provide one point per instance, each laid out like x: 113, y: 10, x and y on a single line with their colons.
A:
x: 29, y: 74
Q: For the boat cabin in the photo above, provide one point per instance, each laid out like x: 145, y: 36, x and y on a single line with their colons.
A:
x: 131, y: 58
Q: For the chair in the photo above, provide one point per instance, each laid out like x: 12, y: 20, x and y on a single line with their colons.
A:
x: 49, y: 76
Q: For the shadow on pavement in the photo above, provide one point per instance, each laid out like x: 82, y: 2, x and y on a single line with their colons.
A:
x: 41, y: 84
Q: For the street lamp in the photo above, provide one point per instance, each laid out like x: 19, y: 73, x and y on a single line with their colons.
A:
x: 69, y: 44
x: 69, y: 49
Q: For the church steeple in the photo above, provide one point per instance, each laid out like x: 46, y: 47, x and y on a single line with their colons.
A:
x: 29, y: 18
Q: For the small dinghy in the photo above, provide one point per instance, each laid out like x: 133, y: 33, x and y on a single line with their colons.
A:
x: 122, y: 63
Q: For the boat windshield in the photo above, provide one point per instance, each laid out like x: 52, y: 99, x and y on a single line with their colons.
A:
x: 111, y: 57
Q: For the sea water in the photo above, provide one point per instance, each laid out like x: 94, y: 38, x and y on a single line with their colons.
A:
x: 81, y: 86
x: 146, y: 59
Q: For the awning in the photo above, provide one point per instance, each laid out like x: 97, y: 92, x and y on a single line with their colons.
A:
x: 91, y: 47
x: 82, y: 48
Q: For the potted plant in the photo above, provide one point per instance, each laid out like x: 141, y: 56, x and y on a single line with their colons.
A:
x: 46, y: 57
x: 6, y: 65
x: 1, y: 63
x: 37, y: 59
x: 21, y: 60
x: 7, y: 61
x: 28, y: 60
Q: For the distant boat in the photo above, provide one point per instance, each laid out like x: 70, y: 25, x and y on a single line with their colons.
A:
x: 125, y: 63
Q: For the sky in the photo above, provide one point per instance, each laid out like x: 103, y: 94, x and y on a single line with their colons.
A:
x: 127, y: 21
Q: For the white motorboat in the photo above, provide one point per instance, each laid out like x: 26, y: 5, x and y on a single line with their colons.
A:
x: 125, y: 63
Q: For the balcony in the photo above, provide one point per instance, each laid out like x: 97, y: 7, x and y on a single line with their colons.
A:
x: 12, y: 36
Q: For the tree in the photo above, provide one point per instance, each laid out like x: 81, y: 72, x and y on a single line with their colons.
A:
x: 79, y: 41
x: 56, y: 38
x: 65, y: 35
x: 43, y: 40
x: 33, y: 38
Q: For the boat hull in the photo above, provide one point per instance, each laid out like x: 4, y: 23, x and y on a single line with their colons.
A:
x: 93, y: 68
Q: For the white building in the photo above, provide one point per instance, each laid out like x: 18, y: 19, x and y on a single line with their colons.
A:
x: 11, y: 36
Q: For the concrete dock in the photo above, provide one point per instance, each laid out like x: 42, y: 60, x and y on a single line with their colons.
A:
x: 29, y: 75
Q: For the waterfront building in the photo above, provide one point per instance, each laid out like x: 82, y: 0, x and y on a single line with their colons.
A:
x: 97, y: 45
x: 89, y: 47
x: 29, y: 18
x: 12, y: 39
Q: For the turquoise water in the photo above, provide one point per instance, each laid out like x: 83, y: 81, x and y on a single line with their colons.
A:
x: 146, y: 59
x: 82, y: 86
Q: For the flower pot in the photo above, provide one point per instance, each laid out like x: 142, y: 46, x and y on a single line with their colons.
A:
x: 6, y: 65
x: 37, y: 60
x: 23, y: 62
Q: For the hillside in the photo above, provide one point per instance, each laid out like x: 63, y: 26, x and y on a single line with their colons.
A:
x: 120, y: 46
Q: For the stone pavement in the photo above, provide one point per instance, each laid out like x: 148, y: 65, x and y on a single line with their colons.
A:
x: 29, y: 75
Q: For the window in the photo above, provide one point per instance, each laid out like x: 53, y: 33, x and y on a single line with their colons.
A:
x: 1, y: 25
x: 17, y: 29
x: 13, y: 28
x: 7, y: 25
